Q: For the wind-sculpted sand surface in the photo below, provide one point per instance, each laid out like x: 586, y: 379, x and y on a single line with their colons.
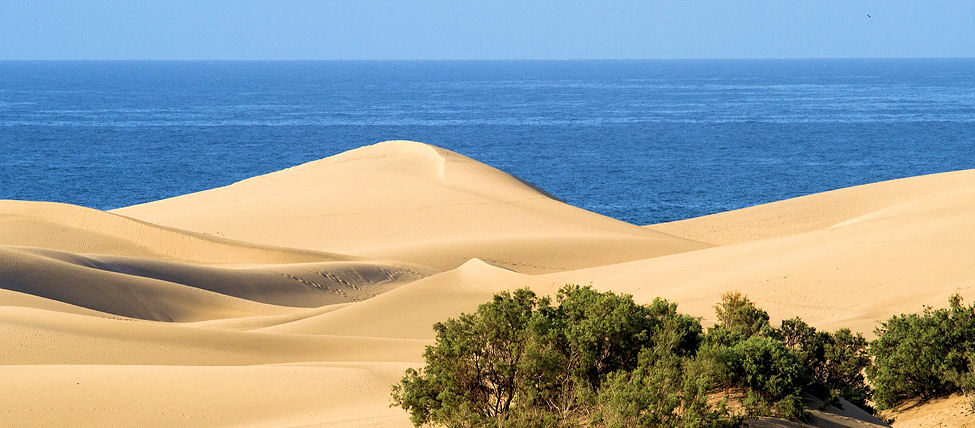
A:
x: 299, y: 297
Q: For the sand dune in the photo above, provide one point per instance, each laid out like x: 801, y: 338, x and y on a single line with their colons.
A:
x: 168, y: 291
x: 30, y: 272
x: 813, y: 212
x: 895, y: 259
x: 298, y: 297
x: 125, y: 267
x: 414, y: 202
x: 18, y: 299
x: 850, y: 275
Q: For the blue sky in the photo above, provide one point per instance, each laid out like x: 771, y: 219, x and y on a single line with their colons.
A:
x: 496, y: 29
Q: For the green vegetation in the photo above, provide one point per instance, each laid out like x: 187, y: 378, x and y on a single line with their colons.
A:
x: 835, y: 362
x: 519, y: 361
x: 776, y: 365
x: 599, y: 359
x: 924, y: 355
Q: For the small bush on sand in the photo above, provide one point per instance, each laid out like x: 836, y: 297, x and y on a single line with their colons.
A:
x: 769, y: 369
x: 739, y: 315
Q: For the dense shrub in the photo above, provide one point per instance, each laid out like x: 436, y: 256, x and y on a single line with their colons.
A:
x: 519, y: 361
x: 924, y: 355
x: 478, y: 366
x: 834, y: 363
x: 600, y: 333
x: 665, y: 389
x: 771, y: 374
x: 842, y: 371
x: 798, y: 358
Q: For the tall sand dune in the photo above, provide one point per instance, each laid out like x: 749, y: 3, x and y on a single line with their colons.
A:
x: 414, y: 202
x: 905, y: 254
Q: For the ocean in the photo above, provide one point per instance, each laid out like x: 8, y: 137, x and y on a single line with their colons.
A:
x: 641, y: 141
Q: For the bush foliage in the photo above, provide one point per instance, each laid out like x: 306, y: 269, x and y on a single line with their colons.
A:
x: 520, y: 361
x: 924, y: 355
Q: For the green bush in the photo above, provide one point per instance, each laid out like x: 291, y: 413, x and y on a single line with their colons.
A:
x: 834, y: 363
x: 771, y: 373
x: 842, y: 372
x: 764, y: 365
x: 479, y: 365
x: 923, y: 355
x: 829, y: 365
x: 664, y: 390
x: 601, y: 333
x: 519, y: 361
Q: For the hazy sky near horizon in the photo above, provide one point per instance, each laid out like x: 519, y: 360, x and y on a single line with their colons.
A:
x: 498, y: 29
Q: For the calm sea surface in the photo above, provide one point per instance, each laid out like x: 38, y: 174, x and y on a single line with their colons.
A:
x: 641, y: 141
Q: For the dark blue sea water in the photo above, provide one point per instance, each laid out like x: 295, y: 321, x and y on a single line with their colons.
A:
x: 642, y: 141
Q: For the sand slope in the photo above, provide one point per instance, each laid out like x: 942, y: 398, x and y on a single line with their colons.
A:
x: 168, y: 291
x: 298, y: 297
x: 813, y: 212
x: 418, y: 305
x: 854, y: 274
x: 853, y: 271
x: 264, y: 395
x: 84, y: 230
x: 120, y: 266
x: 31, y: 272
